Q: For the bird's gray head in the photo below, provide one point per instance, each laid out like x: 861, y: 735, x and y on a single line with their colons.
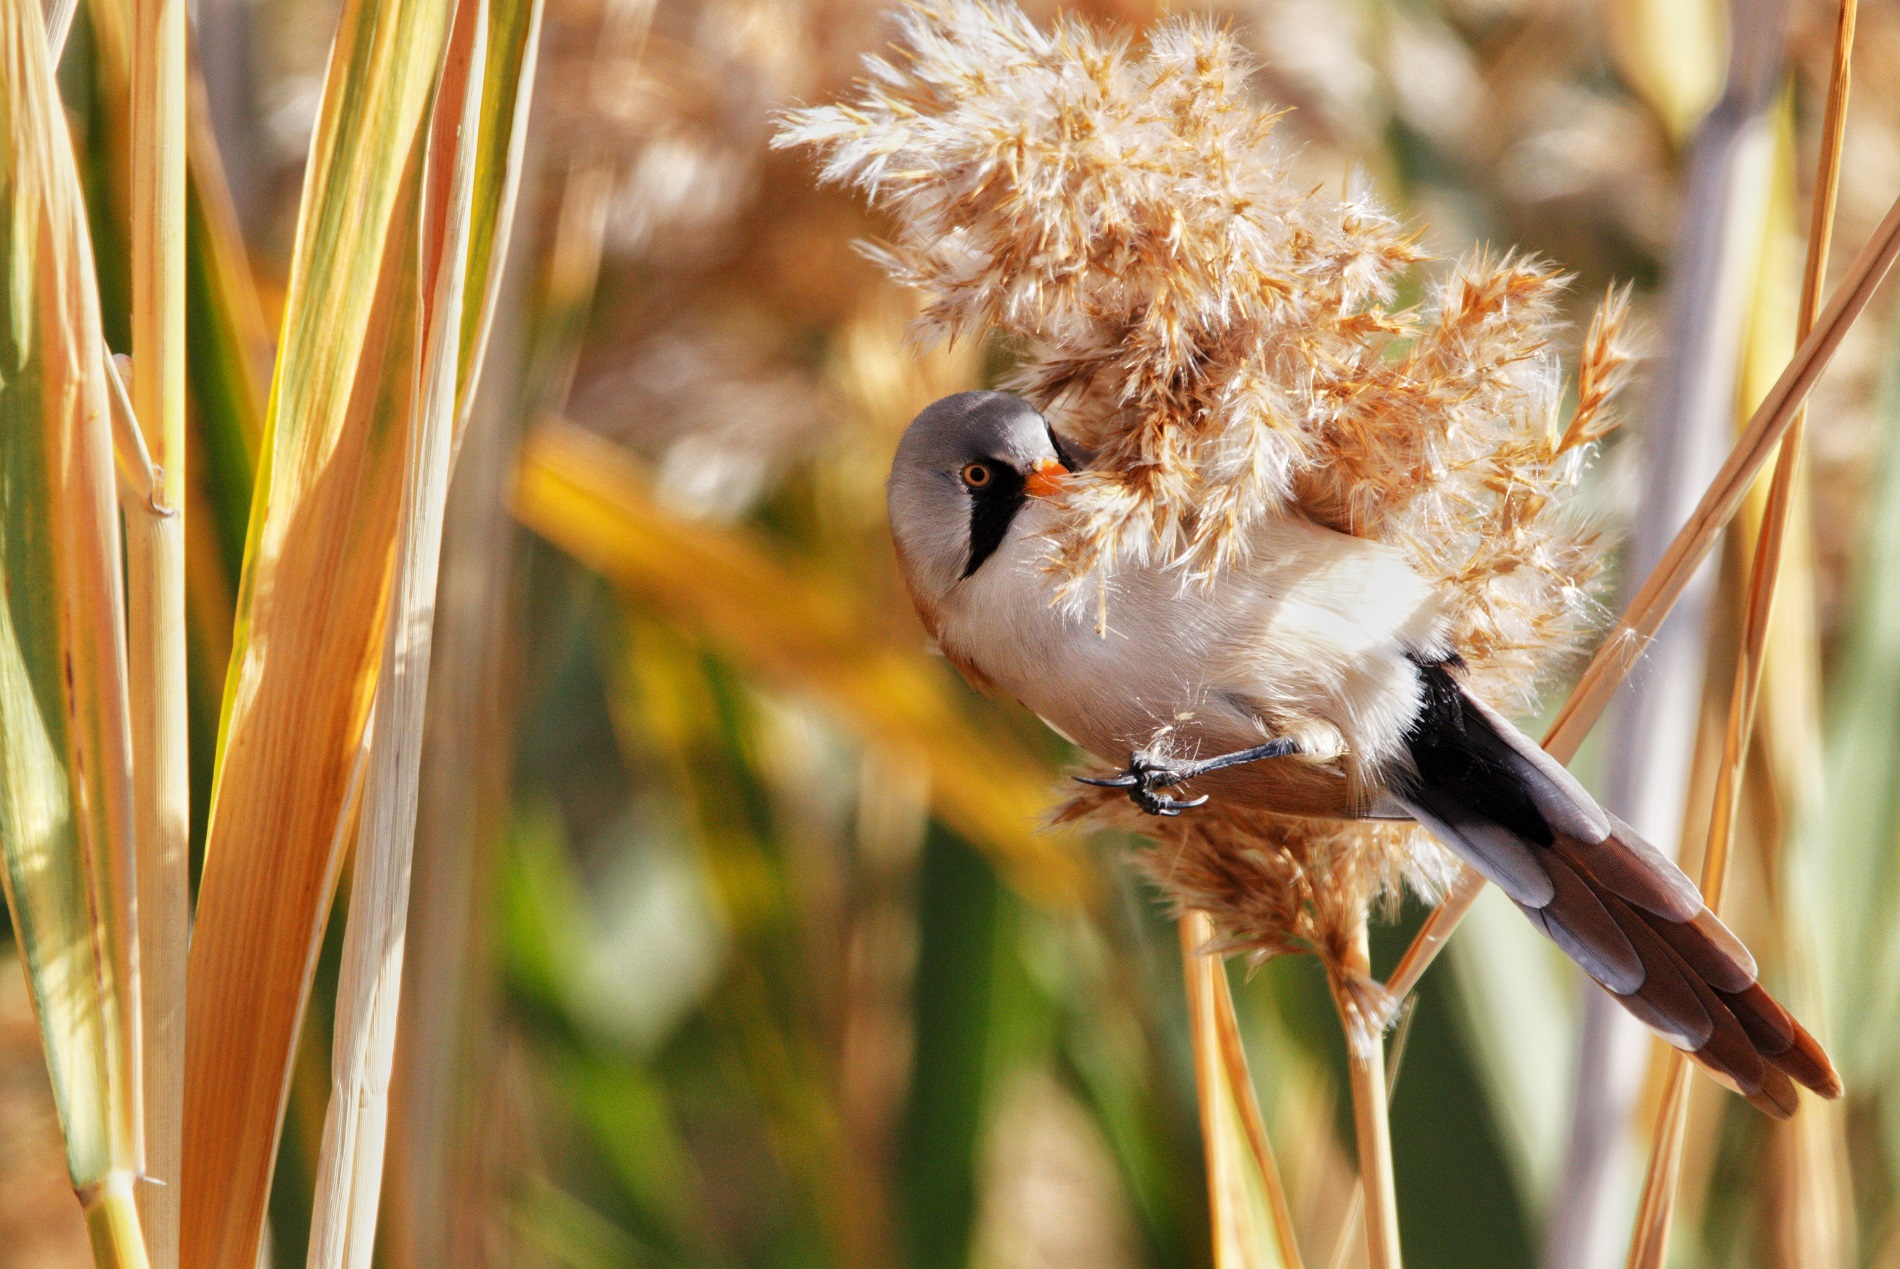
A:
x: 965, y: 467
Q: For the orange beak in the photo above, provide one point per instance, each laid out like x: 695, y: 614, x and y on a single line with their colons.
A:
x: 1048, y: 477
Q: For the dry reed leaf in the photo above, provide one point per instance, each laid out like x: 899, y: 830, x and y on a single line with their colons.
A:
x: 310, y: 613
x: 592, y: 500
x: 460, y: 155
x: 66, y: 800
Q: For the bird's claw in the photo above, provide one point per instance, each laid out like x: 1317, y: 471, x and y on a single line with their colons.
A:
x: 1161, y: 803
x: 1146, y: 775
x: 1144, y: 778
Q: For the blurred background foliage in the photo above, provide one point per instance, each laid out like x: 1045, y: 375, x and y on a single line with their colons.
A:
x: 732, y: 942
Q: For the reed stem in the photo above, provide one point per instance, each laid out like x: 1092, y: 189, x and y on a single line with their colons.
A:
x: 1233, y: 1055
x: 1224, y: 1187
x: 1365, y: 1060
x: 1655, y: 1213
x: 112, y: 1222
x: 155, y: 575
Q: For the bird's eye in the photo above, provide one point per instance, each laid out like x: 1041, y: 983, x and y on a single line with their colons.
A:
x: 977, y: 475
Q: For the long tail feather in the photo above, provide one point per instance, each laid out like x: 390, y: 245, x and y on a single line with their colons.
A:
x: 1615, y: 904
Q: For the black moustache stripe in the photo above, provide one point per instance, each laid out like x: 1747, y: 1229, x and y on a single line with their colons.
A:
x: 992, y: 509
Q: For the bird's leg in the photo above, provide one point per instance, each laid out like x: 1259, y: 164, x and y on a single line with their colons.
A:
x: 1148, y: 773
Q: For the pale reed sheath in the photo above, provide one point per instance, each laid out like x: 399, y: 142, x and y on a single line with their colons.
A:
x: 350, y: 1166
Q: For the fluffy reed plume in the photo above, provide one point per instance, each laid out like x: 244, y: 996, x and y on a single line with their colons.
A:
x: 1230, y: 345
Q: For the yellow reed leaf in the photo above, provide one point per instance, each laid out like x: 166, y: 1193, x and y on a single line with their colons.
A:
x: 591, y: 499
x: 66, y: 812
x: 310, y: 612
x: 362, y: 314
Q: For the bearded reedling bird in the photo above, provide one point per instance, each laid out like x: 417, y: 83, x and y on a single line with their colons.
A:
x: 1317, y: 675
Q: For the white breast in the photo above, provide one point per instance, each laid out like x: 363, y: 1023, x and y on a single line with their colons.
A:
x: 1312, y: 634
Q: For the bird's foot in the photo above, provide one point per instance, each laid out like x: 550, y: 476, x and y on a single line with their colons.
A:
x: 1148, y: 773
x: 1145, y: 777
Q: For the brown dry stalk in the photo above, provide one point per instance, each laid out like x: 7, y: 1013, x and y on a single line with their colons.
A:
x: 1623, y: 646
x: 1649, y: 1244
x: 1344, y: 1244
x: 1432, y: 935
x: 1765, y: 571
